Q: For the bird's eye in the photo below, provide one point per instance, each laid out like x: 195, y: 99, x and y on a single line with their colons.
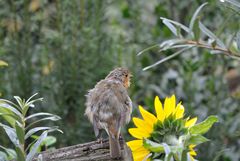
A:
x: 126, y: 75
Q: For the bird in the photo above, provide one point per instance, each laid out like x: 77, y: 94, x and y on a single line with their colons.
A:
x: 109, y: 107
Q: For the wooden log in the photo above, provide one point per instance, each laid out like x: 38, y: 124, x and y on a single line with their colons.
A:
x: 91, y: 151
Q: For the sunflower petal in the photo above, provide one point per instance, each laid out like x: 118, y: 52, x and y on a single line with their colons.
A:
x: 138, y: 133
x: 191, y: 122
x: 192, y: 153
x: 141, y: 124
x: 147, y: 116
x: 159, y: 109
x: 140, y: 154
x: 169, y: 105
x: 135, y: 144
x: 179, y: 111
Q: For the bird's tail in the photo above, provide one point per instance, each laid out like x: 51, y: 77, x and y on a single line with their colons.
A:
x: 115, y: 149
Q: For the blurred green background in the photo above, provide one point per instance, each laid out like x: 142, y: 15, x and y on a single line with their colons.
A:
x: 61, y: 48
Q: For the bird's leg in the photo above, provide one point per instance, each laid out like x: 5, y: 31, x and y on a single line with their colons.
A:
x: 99, y: 137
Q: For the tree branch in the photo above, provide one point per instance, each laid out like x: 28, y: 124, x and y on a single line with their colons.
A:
x: 91, y: 151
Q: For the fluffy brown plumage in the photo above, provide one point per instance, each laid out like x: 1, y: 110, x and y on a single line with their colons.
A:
x: 109, y: 106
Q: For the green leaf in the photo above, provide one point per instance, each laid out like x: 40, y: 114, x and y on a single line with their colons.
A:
x: 10, y: 152
x: 48, y: 141
x: 11, y: 108
x: 31, y: 97
x: 211, y: 35
x: 197, y: 139
x: 234, y: 3
x: 52, y: 118
x: 185, y: 28
x: 19, y: 101
x: 238, y: 40
x: 195, y: 15
x: 39, y: 114
x: 172, y: 28
x: 167, y: 58
x: 20, y: 132
x: 8, y: 116
x: 169, y: 43
x: 3, y: 63
x: 30, y: 103
x: 153, y: 146
x: 36, y: 129
x: 11, y: 132
x: 3, y: 156
x: 36, y: 145
x: 196, y: 30
x: 204, y: 126
x: 20, y: 154
x: 169, y: 157
x: 10, y: 103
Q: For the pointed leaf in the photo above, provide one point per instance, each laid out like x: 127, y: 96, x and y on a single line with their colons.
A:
x: 30, y: 104
x: 19, y: 101
x: 238, y: 40
x: 39, y: 114
x: 197, y: 139
x: 149, y: 48
x: 170, y: 26
x: 211, y: 35
x: 11, y: 108
x: 33, y: 101
x: 36, y: 145
x: 36, y: 129
x: 52, y: 118
x: 11, y: 153
x: 31, y: 97
x: 11, y: 132
x: 3, y: 156
x: 234, y: 3
x: 153, y: 146
x: 185, y: 28
x: 195, y: 15
x: 169, y: 43
x: 10, y: 103
x: 167, y: 58
x: 8, y: 116
x: 196, y: 30
x: 204, y: 126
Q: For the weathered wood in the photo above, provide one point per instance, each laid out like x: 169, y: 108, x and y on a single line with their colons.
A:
x: 91, y: 151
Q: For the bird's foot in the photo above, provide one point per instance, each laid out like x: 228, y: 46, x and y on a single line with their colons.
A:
x: 99, y: 140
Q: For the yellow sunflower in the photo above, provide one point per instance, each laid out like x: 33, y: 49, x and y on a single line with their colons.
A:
x: 168, y: 121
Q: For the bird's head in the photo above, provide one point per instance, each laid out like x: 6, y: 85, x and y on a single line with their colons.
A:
x: 121, y: 74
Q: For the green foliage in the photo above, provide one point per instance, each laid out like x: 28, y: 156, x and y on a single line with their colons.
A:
x: 194, y: 37
x: 7, y: 153
x: 47, y: 143
x: 62, y: 48
x: 21, y: 129
x: 204, y: 126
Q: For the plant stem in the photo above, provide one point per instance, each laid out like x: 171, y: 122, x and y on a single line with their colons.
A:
x: 205, y: 45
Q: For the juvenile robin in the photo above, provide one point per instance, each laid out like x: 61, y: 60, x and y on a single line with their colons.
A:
x: 109, y: 107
